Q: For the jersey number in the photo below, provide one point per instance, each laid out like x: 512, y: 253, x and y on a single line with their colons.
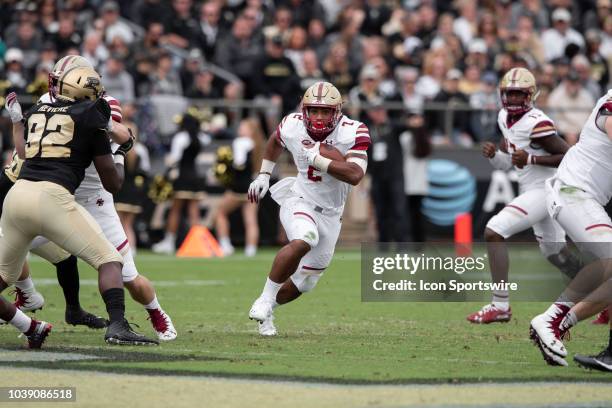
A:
x: 313, y: 174
x: 49, y: 137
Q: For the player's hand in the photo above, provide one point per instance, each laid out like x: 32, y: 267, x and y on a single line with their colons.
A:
x: 311, y: 153
x: 259, y: 187
x: 125, y: 147
x: 519, y: 158
x: 488, y: 150
x: 13, y: 107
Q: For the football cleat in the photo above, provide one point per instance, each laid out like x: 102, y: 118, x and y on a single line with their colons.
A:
x: 120, y: 332
x: 601, y: 362
x: 490, y: 314
x: 82, y: 318
x: 162, y: 324
x: 261, y: 309
x: 267, y: 328
x: 28, y: 301
x: 602, y: 318
x: 38, y: 334
x: 546, y: 333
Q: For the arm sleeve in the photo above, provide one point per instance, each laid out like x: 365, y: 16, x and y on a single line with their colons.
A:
x: 101, y: 143
x: 501, y: 161
x: 362, y: 140
x: 115, y: 106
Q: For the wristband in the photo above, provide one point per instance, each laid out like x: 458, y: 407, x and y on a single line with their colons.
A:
x: 321, y: 163
x: 119, y: 159
x: 267, y: 166
x: 531, y: 159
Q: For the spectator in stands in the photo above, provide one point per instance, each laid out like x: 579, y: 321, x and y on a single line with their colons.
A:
x: 117, y: 81
x: 247, y: 152
x: 407, y: 94
x: 13, y: 70
x: 303, y: 11
x: 188, y: 185
x: 274, y: 76
x: 296, y: 46
x: 595, y: 19
x: 434, y: 70
x: 66, y: 36
x: 376, y: 15
x: 336, y: 68
x: 349, y: 23
x: 190, y: 68
x: 581, y: 65
x: 311, y: 72
x: 570, y: 105
x: 48, y: 16
x: 316, y: 38
x: 459, y: 126
x: 466, y: 25
x: 203, y: 86
x: 407, y: 46
x: 546, y: 81
x: 113, y: 24
x: 485, y: 102
x: 238, y: 52
x: 181, y: 27
x: 471, y: 82
x: 416, y: 148
x: 365, y: 92
x: 209, y: 29
x: 528, y: 40
x: 93, y: 49
x: 281, y: 26
x: 600, y: 71
x: 144, y: 12
x: 534, y: 10
x: 488, y: 32
x: 164, y: 79
x: 29, y: 41
x: 561, y: 34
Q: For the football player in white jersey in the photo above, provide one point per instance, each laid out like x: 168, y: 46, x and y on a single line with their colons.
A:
x: 576, y: 197
x: 99, y: 203
x: 312, y: 203
x: 530, y: 145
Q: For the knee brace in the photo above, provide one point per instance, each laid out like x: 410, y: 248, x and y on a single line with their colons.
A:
x: 568, y: 263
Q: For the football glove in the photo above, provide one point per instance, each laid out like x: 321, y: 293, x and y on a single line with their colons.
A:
x: 13, y: 107
x: 125, y: 147
x: 259, y: 187
x: 310, y: 154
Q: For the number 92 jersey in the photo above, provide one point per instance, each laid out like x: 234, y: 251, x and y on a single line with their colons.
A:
x: 320, y: 188
x: 62, y: 139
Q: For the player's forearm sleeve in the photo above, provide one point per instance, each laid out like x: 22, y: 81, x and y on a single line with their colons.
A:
x: 501, y: 161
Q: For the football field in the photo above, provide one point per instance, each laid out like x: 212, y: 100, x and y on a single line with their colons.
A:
x: 333, y: 350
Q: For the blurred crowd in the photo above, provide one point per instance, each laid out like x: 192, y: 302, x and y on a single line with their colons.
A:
x: 426, y: 54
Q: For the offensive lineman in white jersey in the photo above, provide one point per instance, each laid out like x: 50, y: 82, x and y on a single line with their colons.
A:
x: 531, y: 145
x: 99, y: 203
x: 311, y: 203
x: 576, y: 197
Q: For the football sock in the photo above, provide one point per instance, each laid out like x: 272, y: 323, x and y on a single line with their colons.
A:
x: 68, y: 278
x: 569, y: 321
x: 271, y: 289
x: 225, y: 242
x: 114, y: 299
x: 250, y: 250
x: 501, y: 300
x: 153, y: 305
x: 25, y: 285
x: 21, y: 321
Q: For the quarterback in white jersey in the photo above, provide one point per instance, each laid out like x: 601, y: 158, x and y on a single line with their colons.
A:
x: 576, y: 197
x: 530, y: 145
x: 312, y: 203
x: 99, y: 203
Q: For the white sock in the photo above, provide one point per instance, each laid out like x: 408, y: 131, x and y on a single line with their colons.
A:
x: 501, y: 300
x: 250, y: 250
x: 225, y: 242
x: 170, y: 237
x: 26, y: 285
x: 275, y: 304
x: 153, y: 305
x: 503, y: 306
x: 270, y: 289
x: 569, y: 321
x: 21, y: 321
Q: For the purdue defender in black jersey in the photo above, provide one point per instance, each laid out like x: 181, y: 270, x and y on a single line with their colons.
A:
x: 61, y: 140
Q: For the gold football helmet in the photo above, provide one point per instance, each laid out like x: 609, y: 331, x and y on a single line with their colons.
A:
x: 62, y: 65
x: 521, y: 80
x: 321, y: 95
x: 80, y: 83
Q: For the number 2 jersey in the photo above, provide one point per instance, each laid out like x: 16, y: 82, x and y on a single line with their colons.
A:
x: 523, y: 134
x: 62, y: 139
x: 320, y: 188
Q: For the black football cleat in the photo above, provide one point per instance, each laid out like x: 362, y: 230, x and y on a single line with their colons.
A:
x: 82, y: 318
x: 38, y: 335
x: 601, y: 362
x: 121, y: 333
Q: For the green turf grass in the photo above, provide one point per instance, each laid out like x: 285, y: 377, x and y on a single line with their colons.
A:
x: 326, y: 335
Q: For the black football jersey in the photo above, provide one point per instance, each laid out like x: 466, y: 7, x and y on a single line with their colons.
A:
x: 62, y: 139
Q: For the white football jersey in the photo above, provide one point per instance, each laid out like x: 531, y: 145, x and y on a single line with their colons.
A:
x: 320, y: 188
x: 523, y: 135
x: 587, y: 165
